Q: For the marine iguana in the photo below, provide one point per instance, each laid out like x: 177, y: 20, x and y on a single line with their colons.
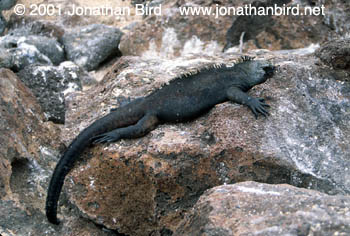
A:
x: 183, y: 99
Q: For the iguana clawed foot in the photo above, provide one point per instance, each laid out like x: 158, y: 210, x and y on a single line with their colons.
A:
x: 258, y: 105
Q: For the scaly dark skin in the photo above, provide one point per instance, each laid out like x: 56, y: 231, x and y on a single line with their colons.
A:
x: 183, y: 99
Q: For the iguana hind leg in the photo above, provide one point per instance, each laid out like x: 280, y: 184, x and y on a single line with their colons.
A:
x: 146, y: 124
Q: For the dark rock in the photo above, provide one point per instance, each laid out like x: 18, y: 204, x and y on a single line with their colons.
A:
x: 252, y: 25
x: 91, y: 45
x: 48, y: 47
x: 3, y: 24
x: 335, y: 54
x: 7, y: 4
x: 32, y: 49
x: 278, y: 32
x: 138, y: 2
x: 251, y: 208
x: 305, y: 143
x: 31, y: 41
x: 50, y: 84
x: 149, y: 3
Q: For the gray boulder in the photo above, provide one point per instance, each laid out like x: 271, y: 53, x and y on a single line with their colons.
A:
x: 47, y: 46
x: 90, y: 45
x: 30, y: 49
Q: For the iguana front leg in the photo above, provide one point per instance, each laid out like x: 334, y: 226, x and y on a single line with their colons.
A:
x: 141, y: 128
x: 257, y: 105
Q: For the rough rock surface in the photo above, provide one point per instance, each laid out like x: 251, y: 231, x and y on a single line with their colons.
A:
x: 91, y: 45
x: 28, y: 151
x: 336, y: 17
x: 281, y: 31
x: 336, y: 54
x: 251, y: 208
x: 21, y: 120
x: 305, y: 143
x: 50, y: 84
x: 28, y: 25
x: 173, y: 34
x: 26, y: 147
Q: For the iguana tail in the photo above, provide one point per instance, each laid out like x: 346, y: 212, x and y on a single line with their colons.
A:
x: 75, y: 149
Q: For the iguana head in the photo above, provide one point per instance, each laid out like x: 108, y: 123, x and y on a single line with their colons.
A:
x: 256, y: 71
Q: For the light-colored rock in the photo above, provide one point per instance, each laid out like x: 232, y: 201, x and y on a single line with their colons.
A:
x: 173, y: 34
x: 251, y: 208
